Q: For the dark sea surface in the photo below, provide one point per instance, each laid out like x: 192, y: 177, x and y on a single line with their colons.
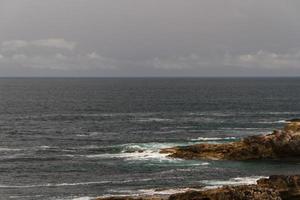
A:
x: 83, y: 138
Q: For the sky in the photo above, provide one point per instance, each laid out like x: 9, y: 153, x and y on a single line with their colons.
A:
x: 140, y: 38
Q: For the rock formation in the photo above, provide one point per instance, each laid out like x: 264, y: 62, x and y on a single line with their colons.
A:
x: 280, y: 144
x: 272, y: 188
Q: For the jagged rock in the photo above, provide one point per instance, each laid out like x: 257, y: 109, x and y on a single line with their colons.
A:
x: 130, y: 198
x: 273, y: 188
x: 287, y: 186
x: 245, y: 192
x: 293, y: 126
x: 294, y: 120
x: 280, y: 144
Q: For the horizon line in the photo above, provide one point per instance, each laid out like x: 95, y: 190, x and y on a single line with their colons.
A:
x: 105, y: 77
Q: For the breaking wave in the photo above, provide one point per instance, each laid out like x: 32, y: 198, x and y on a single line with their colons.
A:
x: 233, y: 181
x: 213, y: 139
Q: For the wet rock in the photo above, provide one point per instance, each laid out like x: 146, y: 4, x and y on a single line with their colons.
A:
x: 247, y: 192
x: 280, y: 144
x: 277, y: 187
x: 287, y: 186
x: 132, y: 198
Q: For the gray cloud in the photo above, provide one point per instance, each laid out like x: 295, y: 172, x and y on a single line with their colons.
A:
x: 51, y: 54
x: 149, y: 38
x: 59, y: 43
x: 266, y: 59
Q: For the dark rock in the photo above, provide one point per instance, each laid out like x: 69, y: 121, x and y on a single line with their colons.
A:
x: 273, y: 188
x: 294, y: 120
x: 246, y: 192
x: 287, y: 186
x: 280, y: 144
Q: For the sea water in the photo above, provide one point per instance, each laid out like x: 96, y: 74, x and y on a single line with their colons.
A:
x: 79, y: 138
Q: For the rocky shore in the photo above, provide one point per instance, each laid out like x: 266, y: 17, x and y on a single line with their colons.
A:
x: 280, y: 144
x: 283, y: 143
x: 272, y: 188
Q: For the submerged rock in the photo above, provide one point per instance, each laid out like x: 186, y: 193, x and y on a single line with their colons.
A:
x: 280, y: 144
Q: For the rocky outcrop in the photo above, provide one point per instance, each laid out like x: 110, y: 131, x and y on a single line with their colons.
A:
x: 272, y: 188
x: 131, y: 198
x: 280, y: 144
x: 283, y: 143
x: 287, y: 186
x: 245, y: 192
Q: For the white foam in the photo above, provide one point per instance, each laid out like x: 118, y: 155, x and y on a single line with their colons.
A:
x: 53, y: 185
x: 153, y: 119
x: 72, y: 184
x: 272, y: 122
x: 75, y: 198
x: 145, y: 155
x: 82, y: 198
x: 212, y: 138
x: 241, y: 128
x: 281, y: 121
x: 166, y: 191
x: 142, y: 151
x: 233, y: 181
x: 44, y: 147
x: 24, y: 196
x: 9, y: 149
x: 149, y: 192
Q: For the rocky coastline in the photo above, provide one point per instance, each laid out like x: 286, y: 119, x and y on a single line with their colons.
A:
x: 272, y: 188
x: 280, y: 144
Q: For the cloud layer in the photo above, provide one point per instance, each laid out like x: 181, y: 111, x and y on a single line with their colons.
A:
x: 50, y: 54
x: 267, y: 60
x: 58, y: 43
x: 149, y: 38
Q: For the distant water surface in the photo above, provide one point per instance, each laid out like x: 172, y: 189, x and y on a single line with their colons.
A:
x: 82, y: 138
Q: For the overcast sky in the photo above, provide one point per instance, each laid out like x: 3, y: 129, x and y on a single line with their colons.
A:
x: 149, y: 38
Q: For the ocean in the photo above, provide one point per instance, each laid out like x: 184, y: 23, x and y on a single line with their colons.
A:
x: 80, y: 138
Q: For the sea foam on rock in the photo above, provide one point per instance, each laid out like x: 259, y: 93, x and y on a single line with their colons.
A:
x: 280, y: 144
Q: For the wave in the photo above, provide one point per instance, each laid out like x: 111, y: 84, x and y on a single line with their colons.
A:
x: 217, y: 114
x: 74, y: 184
x: 53, y: 185
x: 242, y: 128
x: 25, y: 196
x: 83, y: 198
x: 279, y: 113
x: 9, y: 149
x: 147, y: 155
x: 233, y: 181
x: 151, y: 192
x: 213, y: 139
x: 143, y: 152
x: 273, y: 122
x: 153, y: 120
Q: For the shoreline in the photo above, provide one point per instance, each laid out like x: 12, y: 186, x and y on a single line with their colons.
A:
x: 281, y: 144
x: 276, y: 187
